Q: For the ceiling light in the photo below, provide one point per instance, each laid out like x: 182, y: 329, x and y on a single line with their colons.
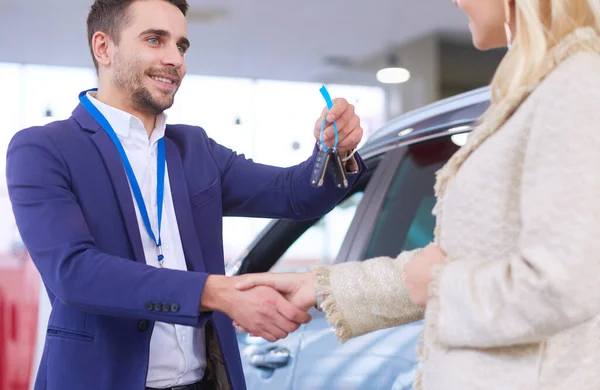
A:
x: 393, y: 74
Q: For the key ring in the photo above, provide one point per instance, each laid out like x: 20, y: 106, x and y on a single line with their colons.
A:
x: 329, y: 102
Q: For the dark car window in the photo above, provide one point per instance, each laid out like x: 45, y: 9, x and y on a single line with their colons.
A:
x: 405, y: 221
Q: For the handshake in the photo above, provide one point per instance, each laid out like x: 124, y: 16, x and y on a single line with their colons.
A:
x: 266, y: 305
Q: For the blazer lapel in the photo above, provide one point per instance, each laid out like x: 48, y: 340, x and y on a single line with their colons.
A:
x: 116, y: 171
x: 183, y: 209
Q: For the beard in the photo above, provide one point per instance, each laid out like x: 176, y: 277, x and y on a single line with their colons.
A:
x: 130, y: 76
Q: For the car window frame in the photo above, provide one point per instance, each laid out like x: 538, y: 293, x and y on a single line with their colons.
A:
x: 275, y: 233
x: 358, y: 235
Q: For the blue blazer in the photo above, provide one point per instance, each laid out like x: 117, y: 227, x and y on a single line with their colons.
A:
x: 75, y: 213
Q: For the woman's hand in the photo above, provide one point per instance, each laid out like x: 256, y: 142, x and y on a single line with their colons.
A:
x: 418, y: 273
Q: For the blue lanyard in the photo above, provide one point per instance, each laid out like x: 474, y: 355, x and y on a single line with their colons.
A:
x: 161, y: 162
x: 329, y: 102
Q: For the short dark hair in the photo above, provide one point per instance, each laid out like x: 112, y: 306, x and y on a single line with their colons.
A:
x: 110, y: 16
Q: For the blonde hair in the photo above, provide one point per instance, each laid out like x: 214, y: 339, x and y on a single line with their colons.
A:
x: 540, y: 25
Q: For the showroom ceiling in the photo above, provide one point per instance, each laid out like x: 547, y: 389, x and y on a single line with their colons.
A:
x: 322, y: 41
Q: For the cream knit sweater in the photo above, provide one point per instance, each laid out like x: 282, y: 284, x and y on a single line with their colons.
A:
x: 518, y: 215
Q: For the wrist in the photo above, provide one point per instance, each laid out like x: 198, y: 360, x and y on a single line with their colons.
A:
x: 310, y: 283
x: 217, y: 294
x: 346, y: 153
x: 350, y: 163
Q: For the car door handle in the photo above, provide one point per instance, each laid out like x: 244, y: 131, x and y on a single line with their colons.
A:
x: 271, y: 358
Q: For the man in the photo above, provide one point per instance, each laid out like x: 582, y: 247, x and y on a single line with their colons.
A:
x: 122, y: 216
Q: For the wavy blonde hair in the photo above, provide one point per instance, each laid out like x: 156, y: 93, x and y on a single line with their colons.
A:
x: 540, y: 25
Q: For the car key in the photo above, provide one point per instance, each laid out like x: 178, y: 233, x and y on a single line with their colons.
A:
x: 340, y: 179
x: 320, y: 168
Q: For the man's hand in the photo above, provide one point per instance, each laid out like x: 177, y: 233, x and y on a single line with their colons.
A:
x: 348, y: 125
x: 297, y: 288
x: 262, y: 310
x: 418, y: 273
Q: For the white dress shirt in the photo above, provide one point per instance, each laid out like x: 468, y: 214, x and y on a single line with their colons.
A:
x: 177, y: 353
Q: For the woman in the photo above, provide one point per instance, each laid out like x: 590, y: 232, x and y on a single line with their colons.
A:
x: 509, y: 290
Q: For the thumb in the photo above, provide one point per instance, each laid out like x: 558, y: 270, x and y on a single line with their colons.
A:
x: 249, y: 281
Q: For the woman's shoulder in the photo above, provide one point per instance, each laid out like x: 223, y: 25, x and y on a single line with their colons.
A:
x: 578, y: 75
x: 573, y: 86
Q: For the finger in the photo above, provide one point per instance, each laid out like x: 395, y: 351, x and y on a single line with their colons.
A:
x: 351, y: 135
x: 339, y: 106
x: 249, y: 281
x: 239, y: 327
x: 291, y: 312
x: 260, y: 329
x: 351, y: 142
x: 429, y: 248
x: 285, y: 325
x: 346, y: 117
x: 342, y: 124
x: 278, y: 322
x: 273, y: 327
x: 245, y: 283
x: 269, y: 319
x: 319, y: 122
x: 265, y: 335
x: 242, y: 329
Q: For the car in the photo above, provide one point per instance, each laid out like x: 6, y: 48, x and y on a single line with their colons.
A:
x: 388, y: 211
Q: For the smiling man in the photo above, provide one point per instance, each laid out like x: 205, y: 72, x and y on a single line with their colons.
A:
x: 122, y: 215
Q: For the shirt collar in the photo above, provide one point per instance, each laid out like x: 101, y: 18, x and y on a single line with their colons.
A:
x: 126, y: 125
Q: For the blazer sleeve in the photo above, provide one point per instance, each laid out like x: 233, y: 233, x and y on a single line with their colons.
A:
x: 251, y: 189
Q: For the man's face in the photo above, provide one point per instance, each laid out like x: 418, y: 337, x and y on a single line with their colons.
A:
x: 148, y: 64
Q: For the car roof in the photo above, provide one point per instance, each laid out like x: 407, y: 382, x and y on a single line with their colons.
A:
x: 448, y: 116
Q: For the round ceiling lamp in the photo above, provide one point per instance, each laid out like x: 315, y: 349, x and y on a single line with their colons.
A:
x: 393, y: 74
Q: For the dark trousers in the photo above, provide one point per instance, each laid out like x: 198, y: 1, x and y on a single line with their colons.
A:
x: 204, y: 384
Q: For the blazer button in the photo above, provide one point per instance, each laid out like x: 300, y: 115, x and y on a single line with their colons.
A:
x: 166, y: 307
x: 143, y: 325
x: 157, y: 307
x: 149, y: 306
x: 174, y: 308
